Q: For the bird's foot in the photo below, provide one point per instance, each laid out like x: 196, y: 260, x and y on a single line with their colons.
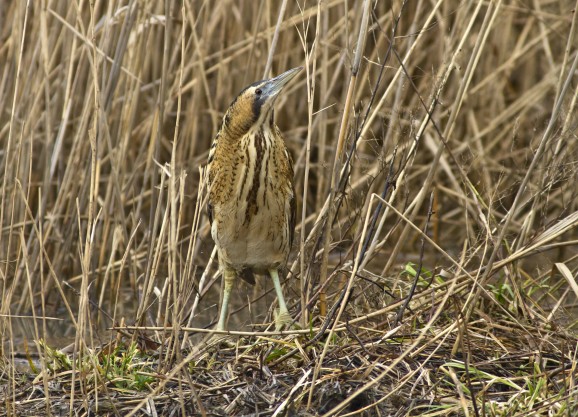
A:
x: 283, y: 320
x: 217, y: 340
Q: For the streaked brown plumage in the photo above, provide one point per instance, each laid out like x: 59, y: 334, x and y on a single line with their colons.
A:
x: 251, y: 196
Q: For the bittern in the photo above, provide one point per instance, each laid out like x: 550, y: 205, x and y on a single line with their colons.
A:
x: 251, y: 195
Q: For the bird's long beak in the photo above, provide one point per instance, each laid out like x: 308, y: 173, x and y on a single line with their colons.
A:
x: 273, y: 86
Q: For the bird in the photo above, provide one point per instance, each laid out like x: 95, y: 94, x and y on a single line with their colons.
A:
x: 251, y: 195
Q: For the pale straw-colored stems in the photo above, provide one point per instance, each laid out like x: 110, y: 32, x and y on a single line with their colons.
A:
x: 335, y: 171
x: 80, y: 343
x: 546, y: 137
x: 176, y: 198
x: 334, y: 182
x: 423, y: 192
x: 154, y: 254
x: 273, y: 47
x: 187, y: 275
x: 424, y: 338
x: 310, y: 70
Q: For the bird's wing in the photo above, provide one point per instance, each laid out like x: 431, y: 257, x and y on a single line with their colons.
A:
x: 210, y: 212
x: 292, y: 203
x: 292, y: 215
x: 210, y: 175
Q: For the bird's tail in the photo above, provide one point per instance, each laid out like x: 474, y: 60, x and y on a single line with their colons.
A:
x: 247, y: 276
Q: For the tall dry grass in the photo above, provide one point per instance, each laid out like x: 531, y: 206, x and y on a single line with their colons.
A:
x: 438, y: 133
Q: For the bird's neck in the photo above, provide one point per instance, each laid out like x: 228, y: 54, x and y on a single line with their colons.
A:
x: 236, y: 132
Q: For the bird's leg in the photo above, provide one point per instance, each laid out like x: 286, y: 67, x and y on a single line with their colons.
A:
x: 229, y: 276
x: 283, y: 318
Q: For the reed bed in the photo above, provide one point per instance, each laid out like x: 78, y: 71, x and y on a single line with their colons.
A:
x: 435, y: 148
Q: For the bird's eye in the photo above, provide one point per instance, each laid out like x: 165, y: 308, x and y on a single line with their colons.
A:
x: 258, y: 91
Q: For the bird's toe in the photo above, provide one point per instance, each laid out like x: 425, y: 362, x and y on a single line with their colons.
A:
x: 217, y: 340
x: 283, y: 320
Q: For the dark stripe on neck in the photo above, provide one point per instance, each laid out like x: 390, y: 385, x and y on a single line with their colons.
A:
x: 258, y: 141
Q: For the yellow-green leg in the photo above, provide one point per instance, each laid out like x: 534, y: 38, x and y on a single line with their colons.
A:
x: 229, y: 277
x: 282, y: 318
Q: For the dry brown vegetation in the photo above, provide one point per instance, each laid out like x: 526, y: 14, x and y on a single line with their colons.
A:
x: 435, y: 148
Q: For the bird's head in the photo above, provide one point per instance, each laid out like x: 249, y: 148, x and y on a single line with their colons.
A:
x: 254, y: 105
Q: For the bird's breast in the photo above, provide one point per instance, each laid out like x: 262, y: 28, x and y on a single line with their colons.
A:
x: 250, y: 193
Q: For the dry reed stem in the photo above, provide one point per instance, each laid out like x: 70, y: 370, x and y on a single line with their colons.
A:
x: 109, y: 109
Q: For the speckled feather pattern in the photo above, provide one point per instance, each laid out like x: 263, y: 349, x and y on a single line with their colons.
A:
x: 251, y: 194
